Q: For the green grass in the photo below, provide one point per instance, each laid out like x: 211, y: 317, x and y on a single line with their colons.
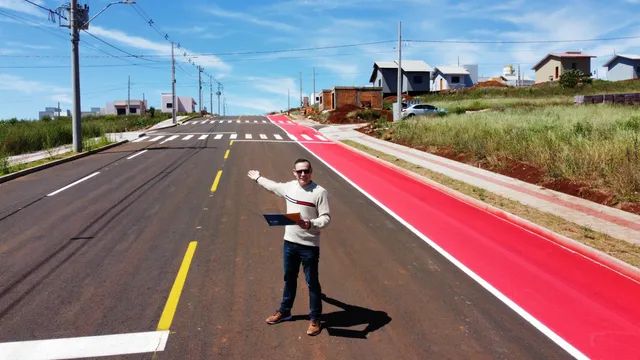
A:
x: 500, y: 104
x: 23, y: 136
x: 88, y: 145
x: 546, y: 90
x: 597, y: 144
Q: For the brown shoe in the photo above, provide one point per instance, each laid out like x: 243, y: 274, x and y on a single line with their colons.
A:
x: 314, y: 328
x: 277, y: 317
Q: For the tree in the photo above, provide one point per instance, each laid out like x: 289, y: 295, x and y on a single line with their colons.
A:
x: 574, y: 77
x: 152, y: 111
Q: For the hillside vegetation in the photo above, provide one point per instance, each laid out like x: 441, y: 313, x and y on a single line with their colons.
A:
x: 538, y: 135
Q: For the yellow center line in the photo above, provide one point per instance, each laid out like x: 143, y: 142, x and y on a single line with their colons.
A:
x: 230, y: 142
x: 174, y: 296
x: 214, y: 187
x: 226, y: 154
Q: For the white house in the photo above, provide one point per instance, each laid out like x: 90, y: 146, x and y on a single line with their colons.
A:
x: 623, y: 67
x: 454, y: 77
x: 416, y: 75
x: 119, y: 107
x: 186, y: 104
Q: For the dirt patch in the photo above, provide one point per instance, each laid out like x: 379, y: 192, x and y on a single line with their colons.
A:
x: 630, y: 207
x: 490, y: 83
x: 580, y: 189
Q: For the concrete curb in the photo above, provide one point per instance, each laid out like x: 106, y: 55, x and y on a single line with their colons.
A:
x: 28, y: 171
x: 594, y: 255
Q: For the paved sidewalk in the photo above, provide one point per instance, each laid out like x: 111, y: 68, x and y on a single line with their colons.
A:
x: 616, y: 223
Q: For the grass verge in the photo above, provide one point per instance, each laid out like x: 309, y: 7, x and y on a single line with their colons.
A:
x: 596, y: 145
x: 617, y: 248
x: 88, y: 145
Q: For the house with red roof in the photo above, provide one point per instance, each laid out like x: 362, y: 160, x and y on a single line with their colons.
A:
x: 551, y: 67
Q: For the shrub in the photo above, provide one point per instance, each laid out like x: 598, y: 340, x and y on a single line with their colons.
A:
x: 573, y: 77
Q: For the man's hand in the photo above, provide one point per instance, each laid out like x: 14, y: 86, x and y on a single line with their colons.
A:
x: 305, y: 224
x: 253, y: 175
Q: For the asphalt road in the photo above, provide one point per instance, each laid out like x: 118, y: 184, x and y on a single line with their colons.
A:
x: 101, y: 257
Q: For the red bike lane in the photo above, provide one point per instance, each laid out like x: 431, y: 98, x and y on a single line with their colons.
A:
x: 584, y: 305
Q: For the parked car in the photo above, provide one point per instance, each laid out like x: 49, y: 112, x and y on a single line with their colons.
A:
x: 421, y: 109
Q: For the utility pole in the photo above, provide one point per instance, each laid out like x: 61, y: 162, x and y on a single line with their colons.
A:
x: 210, y: 94
x: 288, y: 101
x: 128, y: 95
x: 79, y: 20
x: 75, y: 22
x: 219, y: 92
x: 200, y: 88
x: 58, y: 110
x: 224, y: 106
x: 314, y: 86
x: 399, y: 91
x: 173, y: 86
x: 301, y: 90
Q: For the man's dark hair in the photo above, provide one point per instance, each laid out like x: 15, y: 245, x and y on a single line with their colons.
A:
x: 301, y: 160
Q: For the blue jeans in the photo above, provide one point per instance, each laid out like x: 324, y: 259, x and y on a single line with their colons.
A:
x: 309, y: 256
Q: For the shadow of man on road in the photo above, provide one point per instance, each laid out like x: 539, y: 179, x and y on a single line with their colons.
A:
x: 337, y: 322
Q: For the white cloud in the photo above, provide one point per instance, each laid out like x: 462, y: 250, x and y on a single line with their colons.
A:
x: 30, y: 87
x: 209, y: 61
x: 245, y: 17
x: 278, y: 86
x: 22, y: 6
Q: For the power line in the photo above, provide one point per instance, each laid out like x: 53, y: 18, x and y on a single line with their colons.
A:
x: 50, y: 11
x: 523, y: 41
x: 84, y: 66
x: 117, y: 48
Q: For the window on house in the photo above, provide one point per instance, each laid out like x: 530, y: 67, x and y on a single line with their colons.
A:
x: 133, y: 110
x: 637, y: 71
x: 417, y: 79
x: 380, y: 82
x: 169, y: 105
x: 455, y: 79
x: 557, y: 72
x: 574, y: 66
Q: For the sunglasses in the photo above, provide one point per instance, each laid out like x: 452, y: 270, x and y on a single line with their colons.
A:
x: 303, y: 171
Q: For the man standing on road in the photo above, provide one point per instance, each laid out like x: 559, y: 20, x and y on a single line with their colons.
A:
x: 301, y: 241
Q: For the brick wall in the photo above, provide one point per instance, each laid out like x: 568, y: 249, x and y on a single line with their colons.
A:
x: 327, y: 100
x: 372, y: 99
x: 628, y: 99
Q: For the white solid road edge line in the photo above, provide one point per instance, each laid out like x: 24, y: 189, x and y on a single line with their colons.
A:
x: 87, y: 346
x: 485, y: 284
x: 74, y: 183
x: 136, y: 154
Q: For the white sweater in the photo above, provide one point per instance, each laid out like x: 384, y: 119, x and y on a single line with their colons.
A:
x: 310, y: 201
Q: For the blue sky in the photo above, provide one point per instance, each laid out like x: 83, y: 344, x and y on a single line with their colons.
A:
x: 238, y: 43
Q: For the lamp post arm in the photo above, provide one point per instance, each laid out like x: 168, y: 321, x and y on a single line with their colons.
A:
x: 105, y: 8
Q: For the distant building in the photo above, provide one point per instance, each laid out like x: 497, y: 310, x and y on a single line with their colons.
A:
x: 511, y: 78
x: 52, y: 113
x: 186, y: 104
x: 551, y: 67
x: 365, y: 97
x: 119, y: 107
x: 416, y: 75
x: 623, y: 67
x: 454, y: 77
x: 95, y: 111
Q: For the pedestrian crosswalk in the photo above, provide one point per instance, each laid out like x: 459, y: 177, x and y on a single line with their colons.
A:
x: 162, y: 139
x: 211, y: 122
